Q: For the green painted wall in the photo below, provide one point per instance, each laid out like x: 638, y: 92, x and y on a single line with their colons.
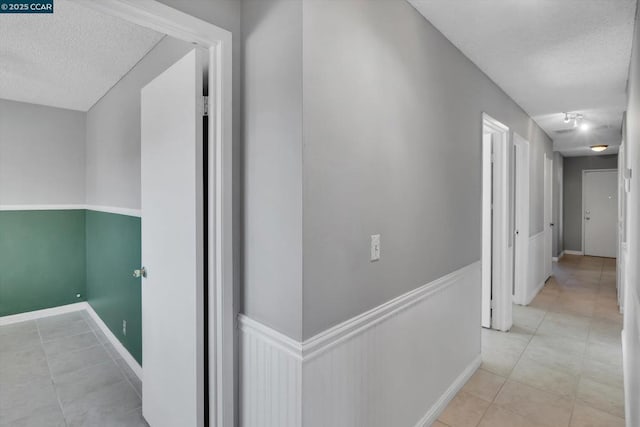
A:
x: 48, y: 257
x: 42, y: 259
x: 113, y: 251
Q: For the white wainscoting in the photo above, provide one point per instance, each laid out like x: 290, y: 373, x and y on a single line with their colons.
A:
x: 536, y: 267
x: 270, y: 377
x: 398, y: 364
x: 631, y: 355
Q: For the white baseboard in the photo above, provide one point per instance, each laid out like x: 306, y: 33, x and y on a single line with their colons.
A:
x: 559, y: 257
x: 534, y: 293
x: 47, y: 312
x: 122, y: 351
x: 568, y: 252
x: 439, y: 407
x: 428, y: 340
x: 39, y: 314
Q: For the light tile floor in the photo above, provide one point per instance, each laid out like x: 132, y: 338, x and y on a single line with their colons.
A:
x: 62, y: 371
x: 561, y: 363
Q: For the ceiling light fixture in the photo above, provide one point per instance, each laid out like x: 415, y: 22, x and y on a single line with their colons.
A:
x: 576, y: 117
x: 584, y: 126
x: 599, y: 148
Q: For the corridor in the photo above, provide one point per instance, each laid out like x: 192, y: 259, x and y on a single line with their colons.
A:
x: 560, y: 365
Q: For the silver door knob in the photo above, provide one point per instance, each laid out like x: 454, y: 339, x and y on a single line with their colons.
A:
x: 140, y: 273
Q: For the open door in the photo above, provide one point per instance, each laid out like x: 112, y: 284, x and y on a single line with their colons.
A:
x: 521, y: 218
x: 497, y: 254
x: 173, y: 245
x: 548, y: 216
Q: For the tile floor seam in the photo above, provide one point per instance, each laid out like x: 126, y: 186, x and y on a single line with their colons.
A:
x: 65, y: 336
x: 55, y: 387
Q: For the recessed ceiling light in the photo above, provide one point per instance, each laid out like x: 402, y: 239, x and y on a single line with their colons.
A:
x: 599, y: 148
x: 584, y: 126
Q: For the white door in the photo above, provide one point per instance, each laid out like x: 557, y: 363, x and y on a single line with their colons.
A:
x: 172, y: 245
x: 548, y: 216
x: 521, y: 220
x: 600, y: 202
x: 487, y: 219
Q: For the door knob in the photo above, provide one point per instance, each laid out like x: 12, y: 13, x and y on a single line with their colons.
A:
x: 587, y: 218
x: 552, y: 224
x: 140, y: 273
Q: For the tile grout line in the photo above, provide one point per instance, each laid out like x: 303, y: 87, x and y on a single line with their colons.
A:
x: 55, y: 387
x: 508, y: 377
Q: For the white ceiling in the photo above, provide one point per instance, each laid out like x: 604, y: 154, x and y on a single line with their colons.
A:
x: 550, y: 56
x: 67, y: 59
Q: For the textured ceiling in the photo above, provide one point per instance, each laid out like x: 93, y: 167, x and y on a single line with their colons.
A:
x: 550, y: 56
x: 67, y: 59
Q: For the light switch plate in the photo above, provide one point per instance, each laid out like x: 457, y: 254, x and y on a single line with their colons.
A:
x: 375, y: 247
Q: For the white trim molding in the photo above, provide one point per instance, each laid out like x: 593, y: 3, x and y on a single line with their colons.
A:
x: 51, y: 207
x: 559, y: 257
x: 436, y: 410
x: 368, y: 369
x: 39, y: 314
x: 70, y: 308
x: 570, y: 252
x: 122, y: 351
x: 62, y: 207
x: 115, y: 210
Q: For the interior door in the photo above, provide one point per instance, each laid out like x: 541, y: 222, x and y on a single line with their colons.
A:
x: 600, y: 202
x: 172, y: 245
x: 487, y: 220
x: 548, y: 216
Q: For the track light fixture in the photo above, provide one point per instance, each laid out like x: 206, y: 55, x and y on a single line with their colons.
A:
x: 577, y: 119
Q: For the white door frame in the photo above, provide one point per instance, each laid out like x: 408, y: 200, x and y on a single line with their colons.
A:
x: 584, y: 172
x: 547, y: 264
x: 500, y: 258
x: 521, y: 209
x: 166, y: 20
x: 622, y: 225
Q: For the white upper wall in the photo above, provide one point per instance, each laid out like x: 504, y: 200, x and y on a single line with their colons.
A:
x: 113, y: 131
x: 42, y: 155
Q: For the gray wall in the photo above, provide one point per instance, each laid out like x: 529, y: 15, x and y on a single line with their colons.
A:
x: 113, y: 131
x: 273, y: 163
x: 41, y: 154
x: 631, y: 335
x: 572, y: 215
x: 392, y: 145
x: 391, y: 136
x: 558, y: 238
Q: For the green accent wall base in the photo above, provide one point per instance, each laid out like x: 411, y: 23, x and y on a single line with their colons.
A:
x: 113, y: 244
x: 42, y: 259
x: 49, y: 257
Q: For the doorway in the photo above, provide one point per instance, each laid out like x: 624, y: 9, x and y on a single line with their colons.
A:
x: 548, y: 216
x: 521, y: 218
x: 497, y: 254
x: 206, y: 232
x: 600, y: 212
